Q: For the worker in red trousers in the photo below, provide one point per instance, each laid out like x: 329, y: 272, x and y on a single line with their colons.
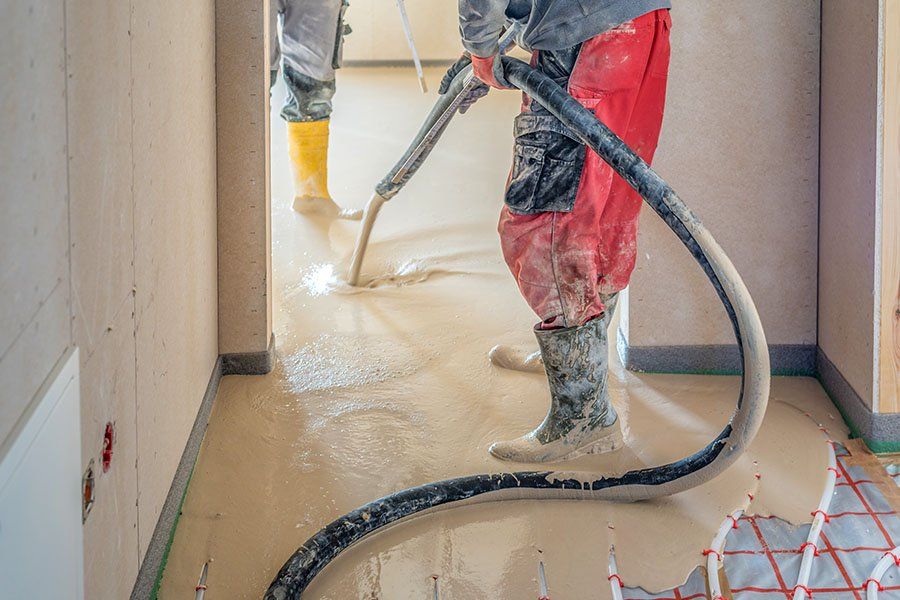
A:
x: 569, y: 225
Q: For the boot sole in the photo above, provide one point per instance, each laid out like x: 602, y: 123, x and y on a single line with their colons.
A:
x: 612, y: 441
x: 325, y: 207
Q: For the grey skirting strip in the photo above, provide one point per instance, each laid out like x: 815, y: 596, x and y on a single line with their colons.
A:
x: 880, y: 431
x: 165, y: 526
x: 249, y: 363
x: 786, y: 359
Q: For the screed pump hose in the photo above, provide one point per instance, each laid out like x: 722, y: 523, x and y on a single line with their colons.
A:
x: 318, y: 551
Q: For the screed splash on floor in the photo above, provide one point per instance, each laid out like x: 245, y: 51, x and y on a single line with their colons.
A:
x: 380, y: 388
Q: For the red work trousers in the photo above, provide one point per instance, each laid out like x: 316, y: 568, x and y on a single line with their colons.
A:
x: 570, y: 238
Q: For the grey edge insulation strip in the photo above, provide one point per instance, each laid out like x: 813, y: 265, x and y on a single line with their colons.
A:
x: 318, y: 551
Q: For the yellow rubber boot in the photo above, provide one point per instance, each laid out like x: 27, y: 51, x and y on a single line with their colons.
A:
x: 308, y: 151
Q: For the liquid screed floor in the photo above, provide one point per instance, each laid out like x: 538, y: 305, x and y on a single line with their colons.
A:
x: 388, y: 386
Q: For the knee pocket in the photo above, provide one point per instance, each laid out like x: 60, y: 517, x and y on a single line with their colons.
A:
x: 547, y: 166
x: 307, y: 99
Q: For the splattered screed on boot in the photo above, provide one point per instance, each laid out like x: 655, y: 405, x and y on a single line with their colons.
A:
x: 388, y: 385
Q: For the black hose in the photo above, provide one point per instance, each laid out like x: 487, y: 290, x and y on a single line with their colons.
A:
x: 324, y: 546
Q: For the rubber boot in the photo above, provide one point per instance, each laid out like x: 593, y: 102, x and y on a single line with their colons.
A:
x: 308, y: 151
x: 581, y: 419
x: 517, y: 359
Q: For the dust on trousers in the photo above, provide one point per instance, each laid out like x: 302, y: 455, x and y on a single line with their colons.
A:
x: 569, y: 227
x: 309, y: 48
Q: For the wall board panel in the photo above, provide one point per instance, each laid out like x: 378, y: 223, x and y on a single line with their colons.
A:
x: 108, y: 395
x: 889, y: 345
x: 848, y: 189
x: 99, y: 109
x: 27, y: 364
x: 739, y: 144
x: 34, y: 282
x: 101, y: 217
x: 175, y: 235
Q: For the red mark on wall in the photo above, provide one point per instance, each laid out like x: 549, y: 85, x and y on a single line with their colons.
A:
x: 106, y: 454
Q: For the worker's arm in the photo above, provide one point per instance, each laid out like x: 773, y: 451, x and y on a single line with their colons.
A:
x: 480, y: 24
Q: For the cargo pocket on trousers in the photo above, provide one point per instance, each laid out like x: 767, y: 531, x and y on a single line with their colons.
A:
x: 547, y: 166
x: 343, y: 29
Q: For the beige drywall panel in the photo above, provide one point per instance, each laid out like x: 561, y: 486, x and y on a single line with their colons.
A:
x: 889, y: 345
x: 100, y: 188
x: 739, y: 144
x: 29, y: 361
x: 378, y: 33
x: 34, y: 231
x: 99, y: 109
x: 848, y: 188
x: 173, y: 69
x: 244, y: 229
x: 108, y: 396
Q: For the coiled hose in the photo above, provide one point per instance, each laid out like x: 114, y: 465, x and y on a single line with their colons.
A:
x: 318, y: 551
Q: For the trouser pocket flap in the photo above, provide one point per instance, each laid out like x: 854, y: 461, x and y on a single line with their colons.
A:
x: 547, y: 166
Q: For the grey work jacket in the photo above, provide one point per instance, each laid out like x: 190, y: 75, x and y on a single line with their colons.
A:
x: 548, y: 24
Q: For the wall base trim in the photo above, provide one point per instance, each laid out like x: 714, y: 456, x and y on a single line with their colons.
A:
x: 249, y: 363
x: 150, y: 573
x: 880, y: 431
x: 158, y: 550
x: 786, y: 359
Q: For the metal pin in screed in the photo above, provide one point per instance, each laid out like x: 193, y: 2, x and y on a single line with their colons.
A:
x: 200, y: 590
x: 542, y: 581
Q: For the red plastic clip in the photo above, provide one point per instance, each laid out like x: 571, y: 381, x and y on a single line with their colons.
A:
x: 757, y: 475
x: 834, y: 470
x: 200, y: 587
x: 617, y: 578
x: 734, y: 522
x: 815, y: 548
x: 804, y: 588
x: 893, y: 556
x: 875, y: 581
x: 107, y: 452
x: 823, y: 513
x: 751, y: 496
x: 709, y: 551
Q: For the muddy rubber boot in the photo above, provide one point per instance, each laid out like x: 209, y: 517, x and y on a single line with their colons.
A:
x: 581, y: 419
x: 308, y: 151
x: 528, y: 361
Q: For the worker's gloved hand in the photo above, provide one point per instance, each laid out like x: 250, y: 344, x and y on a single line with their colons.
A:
x: 490, y: 71
x: 461, y: 63
x: 480, y: 91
